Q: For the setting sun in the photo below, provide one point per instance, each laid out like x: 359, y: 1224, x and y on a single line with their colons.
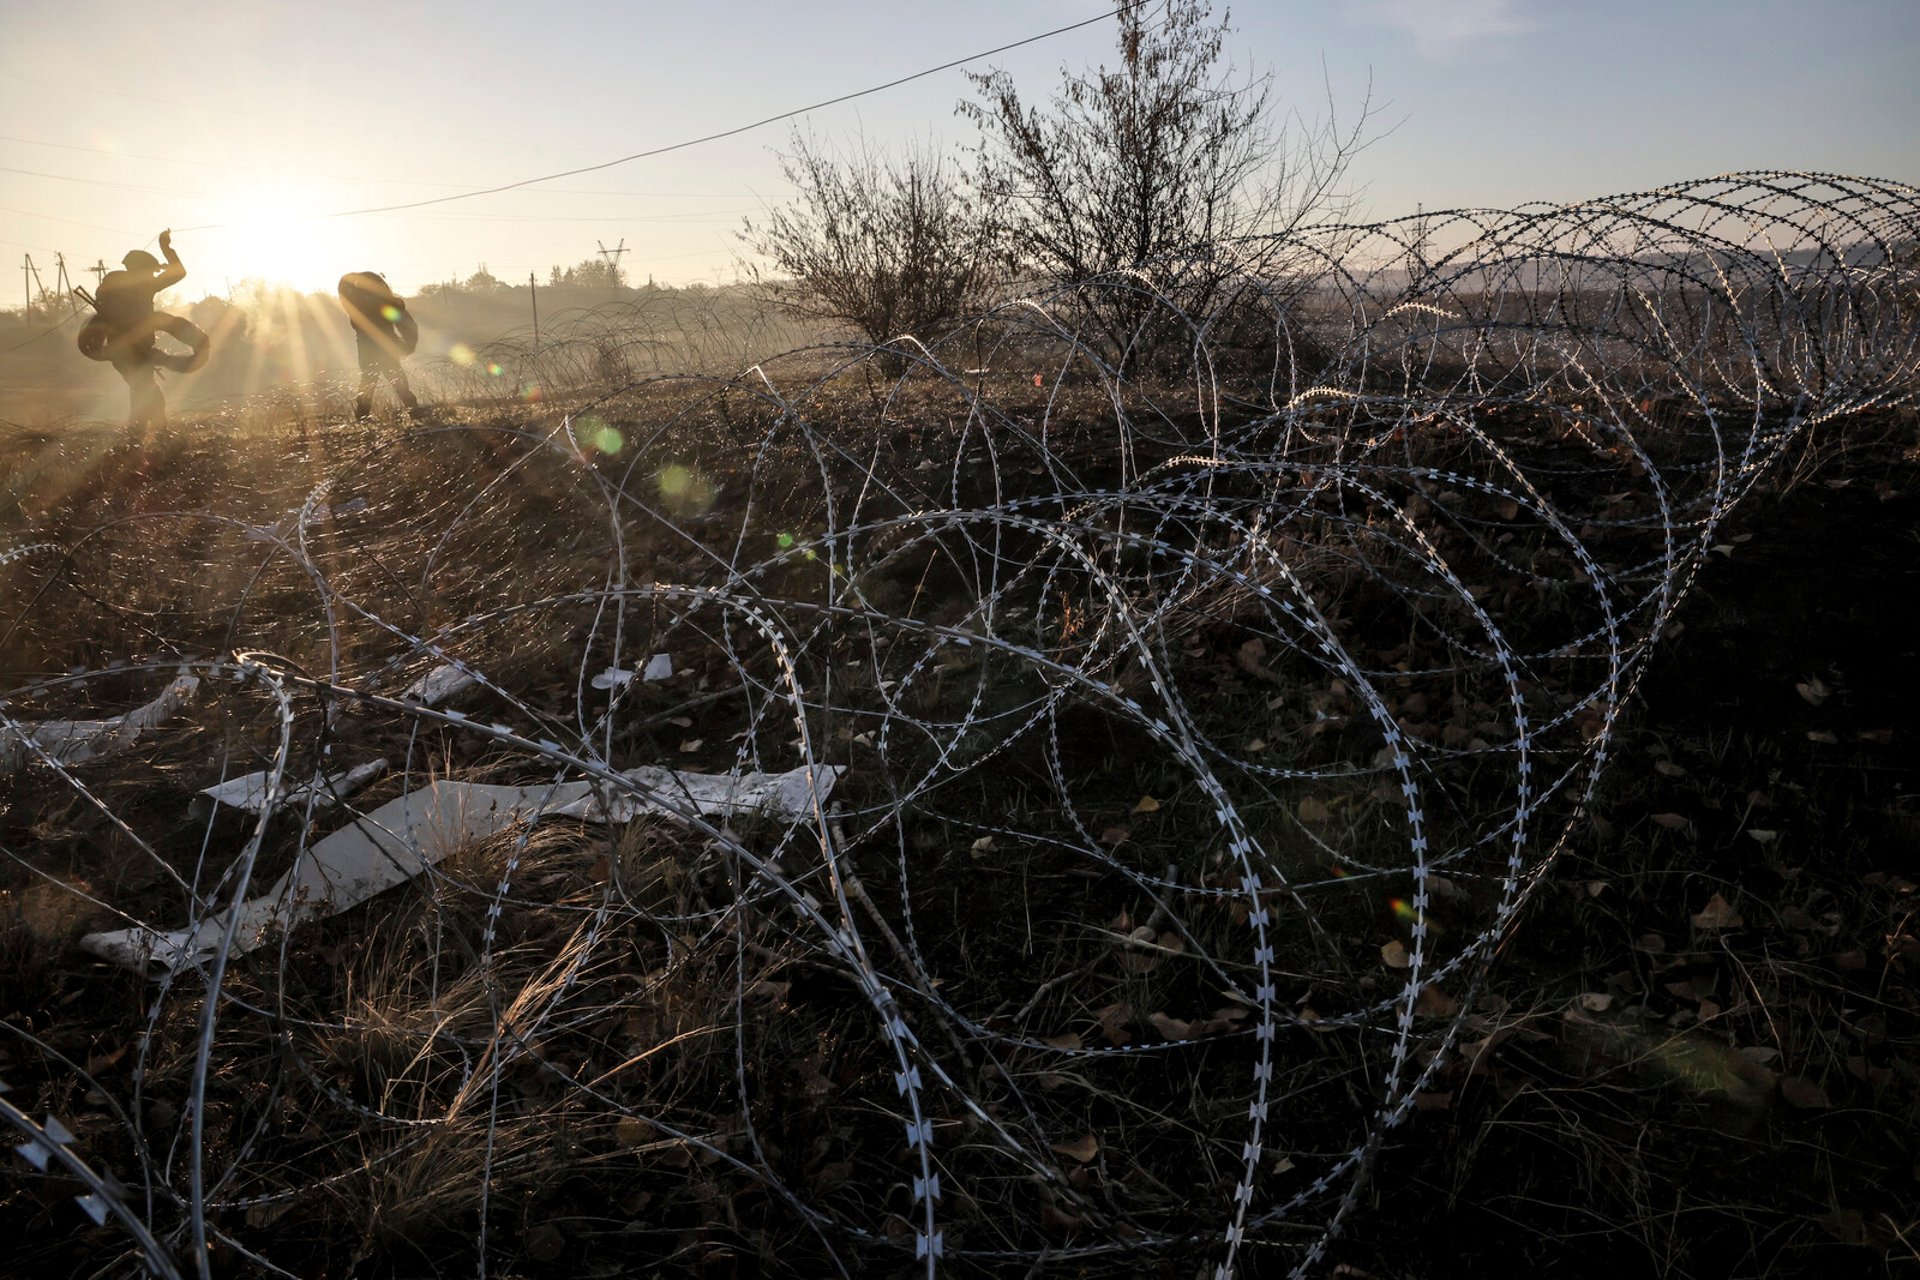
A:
x: 276, y: 233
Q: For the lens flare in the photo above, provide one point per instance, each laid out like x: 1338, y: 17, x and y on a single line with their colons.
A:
x: 462, y: 354
x: 594, y: 433
x: 684, y: 489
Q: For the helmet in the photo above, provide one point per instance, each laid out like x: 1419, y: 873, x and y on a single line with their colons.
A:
x: 140, y: 260
x: 370, y: 285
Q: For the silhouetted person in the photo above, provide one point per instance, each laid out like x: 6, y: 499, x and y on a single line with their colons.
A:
x: 125, y: 324
x: 384, y: 334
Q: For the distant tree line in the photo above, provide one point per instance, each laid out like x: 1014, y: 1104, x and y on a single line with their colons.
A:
x: 588, y: 273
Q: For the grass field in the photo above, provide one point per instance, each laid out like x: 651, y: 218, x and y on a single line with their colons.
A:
x: 1413, y: 785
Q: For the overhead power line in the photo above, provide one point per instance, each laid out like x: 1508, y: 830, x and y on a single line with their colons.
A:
x: 627, y: 159
x: 724, y: 133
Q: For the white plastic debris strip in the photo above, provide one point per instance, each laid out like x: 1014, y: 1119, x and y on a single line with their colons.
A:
x: 659, y: 667
x: 250, y: 791
x: 74, y: 741
x: 400, y: 839
x: 439, y: 684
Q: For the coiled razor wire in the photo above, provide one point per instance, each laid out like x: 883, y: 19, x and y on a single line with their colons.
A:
x: 1210, y: 689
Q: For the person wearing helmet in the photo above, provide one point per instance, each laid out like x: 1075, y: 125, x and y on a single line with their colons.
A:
x: 383, y: 333
x: 125, y: 324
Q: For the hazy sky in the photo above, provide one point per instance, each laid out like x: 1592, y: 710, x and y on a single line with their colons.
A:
x: 239, y: 125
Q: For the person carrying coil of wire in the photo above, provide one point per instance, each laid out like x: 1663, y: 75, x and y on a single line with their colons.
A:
x: 384, y: 334
x: 125, y: 325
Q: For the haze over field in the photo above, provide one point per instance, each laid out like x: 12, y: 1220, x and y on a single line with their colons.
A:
x: 245, y: 126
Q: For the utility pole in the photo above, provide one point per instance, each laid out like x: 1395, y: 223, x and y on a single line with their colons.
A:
x: 99, y: 269
x: 613, y: 255
x: 533, y: 292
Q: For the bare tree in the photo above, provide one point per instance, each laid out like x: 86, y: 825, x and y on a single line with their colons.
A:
x: 1164, y: 166
x: 888, y: 247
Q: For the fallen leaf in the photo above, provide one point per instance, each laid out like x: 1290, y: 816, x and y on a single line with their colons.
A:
x: 1821, y: 735
x: 1114, y: 836
x: 1171, y: 1028
x: 1224, y: 1019
x: 1312, y: 810
x: 1813, y: 689
x: 1596, y: 887
x: 101, y: 1061
x: 1066, y: 1040
x: 1432, y: 1002
x: 1717, y: 914
x: 1672, y: 821
x: 691, y: 745
x: 1668, y: 769
x: 1803, y: 1093
x: 1395, y: 955
x: 1147, y: 805
x: 833, y: 1174
x: 1763, y: 837
x: 1847, y: 1226
x: 1082, y: 1149
x: 1594, y: 1001
x: 544, y: 1242
x: 981, y: 847
x: 1250, y: 656
x: 631, y: 1131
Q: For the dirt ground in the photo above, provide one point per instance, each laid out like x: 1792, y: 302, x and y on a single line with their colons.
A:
x: 1698, y: 1052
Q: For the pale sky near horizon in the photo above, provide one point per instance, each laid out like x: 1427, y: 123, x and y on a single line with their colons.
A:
x: 242, y: 126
